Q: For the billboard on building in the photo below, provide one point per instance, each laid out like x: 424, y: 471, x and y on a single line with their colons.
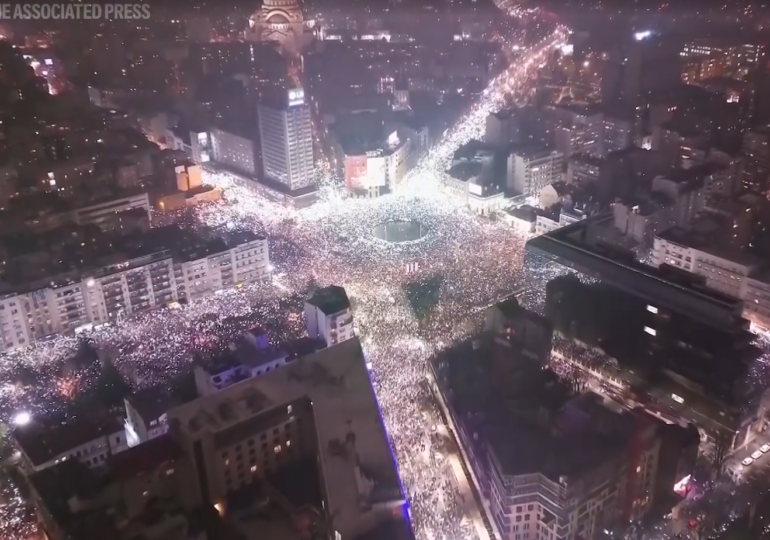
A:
x: 355, y: 172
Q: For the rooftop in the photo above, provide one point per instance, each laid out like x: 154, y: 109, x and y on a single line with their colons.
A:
x: 43, y: 443
x: 531, y: 422
x: 531, y: 151
x: 465, y: 170
x: 144, y: 458
x: 335, y: 384
x: 152, y: 403
x: 84, y: 252
x: 708, y: 237
x: 331, y: 299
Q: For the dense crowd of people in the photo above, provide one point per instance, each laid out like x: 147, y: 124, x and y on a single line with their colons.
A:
x: 477, y: 261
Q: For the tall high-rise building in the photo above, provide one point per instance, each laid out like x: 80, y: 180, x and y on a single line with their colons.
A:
x: 287, y: 141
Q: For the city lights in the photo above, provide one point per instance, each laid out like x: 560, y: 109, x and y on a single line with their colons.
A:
x: 22, y: 419
x: 472, y: 262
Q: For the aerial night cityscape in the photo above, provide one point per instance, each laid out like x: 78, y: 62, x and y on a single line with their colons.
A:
x: 385, y: 270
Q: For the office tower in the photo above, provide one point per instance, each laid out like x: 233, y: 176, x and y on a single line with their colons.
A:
x: 287, y: 141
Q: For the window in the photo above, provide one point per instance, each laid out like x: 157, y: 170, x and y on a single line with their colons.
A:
x: 652, y: 309
x: 650, y: 331
x: 253, y: 468
x: 277, y: 448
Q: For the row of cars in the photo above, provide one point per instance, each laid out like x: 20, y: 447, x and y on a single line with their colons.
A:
x: 764, y: 449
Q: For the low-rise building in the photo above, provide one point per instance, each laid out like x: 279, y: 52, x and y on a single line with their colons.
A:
x: 146, y: 414
x: 328, y: 315
x: 140, y: 493
x: 471, y: 183
x: 90, y: 441
x: 531, y: 169
x: 249, y: 356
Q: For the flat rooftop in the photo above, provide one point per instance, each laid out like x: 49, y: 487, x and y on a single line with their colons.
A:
x: 527, y: 418
x: 42, y: 443
x: 72, y: 253
x: 335, y: 383
x: 331, y: 299
x: 708, y: 241
x: 570, y: 246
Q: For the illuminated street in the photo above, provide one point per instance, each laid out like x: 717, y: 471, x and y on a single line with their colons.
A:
x: 473, y: 261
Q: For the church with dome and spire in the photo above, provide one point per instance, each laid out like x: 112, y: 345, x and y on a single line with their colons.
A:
x: 279, y: 21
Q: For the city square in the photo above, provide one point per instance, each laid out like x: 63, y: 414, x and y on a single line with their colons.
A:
x: 476, y: 261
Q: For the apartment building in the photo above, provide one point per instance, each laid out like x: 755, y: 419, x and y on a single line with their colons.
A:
x: 729, y: 271
x: 90, y: 441
x: 189, y: 270
x: 725, y: 270
x: 530, y: 170
x: 521, y: 451
x: 322, y: 407
x: 328, y: 315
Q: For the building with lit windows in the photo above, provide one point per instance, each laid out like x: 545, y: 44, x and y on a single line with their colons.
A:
x: 165, y: 266
x: 693, y: 372
x: 531, y: 169
x: 320, y: 408
x: 233, y: 148
x: 376, y: 167
x: 724, y: 269
x: 519, y: 444
x: 287, y: 141
x: 89, y: 441
x: 578, y: 130
x: 756, y: 169
x: 328, y: 315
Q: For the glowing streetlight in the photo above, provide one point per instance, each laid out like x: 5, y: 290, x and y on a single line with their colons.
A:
x: 22, y: 419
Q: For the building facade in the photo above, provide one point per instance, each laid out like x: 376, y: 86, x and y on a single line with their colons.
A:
x: 67, y: 303
x: 328, y: 316
x: 287, y: 141
x: 530, y: 171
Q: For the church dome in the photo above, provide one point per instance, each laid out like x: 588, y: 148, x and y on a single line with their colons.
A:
x: 278, y: 18
x: 279, y: 3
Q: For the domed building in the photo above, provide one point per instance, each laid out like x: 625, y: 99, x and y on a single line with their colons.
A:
x: 280, y: 21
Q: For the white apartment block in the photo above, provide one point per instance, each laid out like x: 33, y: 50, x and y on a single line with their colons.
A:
x: 735, y: 274
x: 67, y: 303
x: 724, y: 272
x: 328, y: 316
x: 530, y: 171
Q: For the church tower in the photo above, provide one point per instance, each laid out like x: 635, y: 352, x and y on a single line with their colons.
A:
x: 280, y: 21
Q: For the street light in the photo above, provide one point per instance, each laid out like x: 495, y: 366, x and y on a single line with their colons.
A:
x: 22, y: 419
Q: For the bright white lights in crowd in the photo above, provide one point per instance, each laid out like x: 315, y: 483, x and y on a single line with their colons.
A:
x: 22, y: 419
x: 639, y: 36
x: 478, y: 262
